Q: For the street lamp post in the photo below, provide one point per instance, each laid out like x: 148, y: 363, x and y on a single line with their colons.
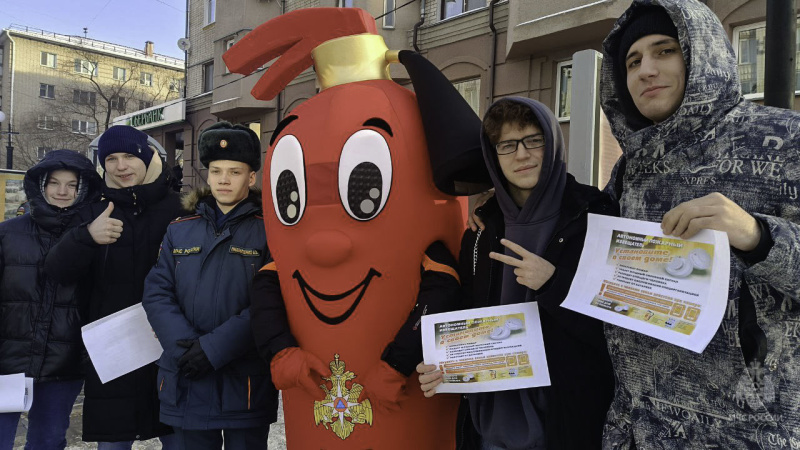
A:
x: 9, y: 147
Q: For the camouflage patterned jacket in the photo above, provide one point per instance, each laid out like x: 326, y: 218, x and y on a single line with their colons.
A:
x: 668, y: 397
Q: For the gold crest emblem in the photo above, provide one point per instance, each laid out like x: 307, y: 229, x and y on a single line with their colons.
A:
x: 341, y: 407
x: 223, y: 143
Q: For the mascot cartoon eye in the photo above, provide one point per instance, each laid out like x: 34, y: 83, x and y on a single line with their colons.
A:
x: 365, y: 174
x: 288, y: 179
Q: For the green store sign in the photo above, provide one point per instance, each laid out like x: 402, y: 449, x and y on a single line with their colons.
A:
x: 146, y: 118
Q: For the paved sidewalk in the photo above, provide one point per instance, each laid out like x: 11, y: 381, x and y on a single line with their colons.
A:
x: 277, y: 438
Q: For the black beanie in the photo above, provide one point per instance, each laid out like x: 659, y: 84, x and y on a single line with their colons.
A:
x: 224, y: 141
x: 646, y: 20
x: 124, y: 139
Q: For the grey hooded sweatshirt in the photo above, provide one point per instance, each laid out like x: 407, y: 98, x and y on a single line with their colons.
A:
x: 668, y: 397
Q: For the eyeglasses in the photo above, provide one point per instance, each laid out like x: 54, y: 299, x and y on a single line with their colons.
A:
x: 531, y: 142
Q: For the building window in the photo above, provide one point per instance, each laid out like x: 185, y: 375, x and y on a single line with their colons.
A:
x: 41, y: 151
x: 471, y: 91
x: 48, y: 60
x: 84, y: 127
x: 564, y: 83
x: 85, y: 67
x: 228, y: 44
x: 452, y: 8
x: 748, y: 42
x: 210, y: 11
x: 345, y: 3
x: 84, y: 97
x: 47, y: 90
x: 143, y: 104
x: 119, y: 73
x: 46, y: 123
x: 146, y: 79
x: 208, y: 77
x: 175, y: 85
x: 388, y: 11
x: 117, y: 102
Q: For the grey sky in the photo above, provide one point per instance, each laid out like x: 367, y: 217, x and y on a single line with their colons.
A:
x: 124, y: 22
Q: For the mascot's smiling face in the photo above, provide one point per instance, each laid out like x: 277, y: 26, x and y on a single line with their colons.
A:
x: 352, y: 205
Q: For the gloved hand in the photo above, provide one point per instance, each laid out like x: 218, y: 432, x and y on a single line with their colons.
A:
x: 384, y: 387
x: 194, y: 363
x: 293, y: 367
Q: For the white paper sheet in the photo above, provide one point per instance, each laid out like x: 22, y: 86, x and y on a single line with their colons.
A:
x: 121, y: 343
x: 633, y: 276
x: 16, y: 393
x: 487, y: 349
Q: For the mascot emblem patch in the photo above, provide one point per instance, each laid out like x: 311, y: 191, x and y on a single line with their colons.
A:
x: 341, y: 407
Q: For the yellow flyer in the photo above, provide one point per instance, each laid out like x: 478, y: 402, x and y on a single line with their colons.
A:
x: 633, y: 276
x: 487, y: 349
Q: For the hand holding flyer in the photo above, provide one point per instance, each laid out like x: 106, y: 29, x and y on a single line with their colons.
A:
x: 632, y: 276
x: 486, y: 349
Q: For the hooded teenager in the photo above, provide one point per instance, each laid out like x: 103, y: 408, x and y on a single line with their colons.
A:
x: 697, y: 155
x: 39, y: 318
x: 112, y: 252
x: 211, y: 380
x: 528, y: 252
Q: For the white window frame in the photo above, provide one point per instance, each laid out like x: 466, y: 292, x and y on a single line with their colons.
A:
x: 209, y: 11
x: 390, y: 16
x: 46, y: 122
x: 41, y: 151
x: 47, y: 91
x: 146, y: 79
x: 91, y: 97
x: 117, y: 70
x: 47, y: 63
x: 84, y: 127
x: 228, y: 44
x: 753, y: 26
x: 344, y: 3
x: 175, y: 85
x: 464, y: 9
x: 118, y: 102
x: 85, y: 67
x: 143, y: 104
x: 478, y: 96
x: 557, y: 108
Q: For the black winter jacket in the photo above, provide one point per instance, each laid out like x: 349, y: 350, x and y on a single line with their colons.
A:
x: 580, y: 369
x: 40, y: 318
x: 125, y: 408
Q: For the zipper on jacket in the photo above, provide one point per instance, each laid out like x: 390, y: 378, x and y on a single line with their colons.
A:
x: 475, y: 252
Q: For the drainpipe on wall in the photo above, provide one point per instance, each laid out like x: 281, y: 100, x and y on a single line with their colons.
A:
x: 419, y: 24
x: 13, y: 60
x: 279, y: 105
x: 492, y: 63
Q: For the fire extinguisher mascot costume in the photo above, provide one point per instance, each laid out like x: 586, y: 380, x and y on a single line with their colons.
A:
x: 362, y: 240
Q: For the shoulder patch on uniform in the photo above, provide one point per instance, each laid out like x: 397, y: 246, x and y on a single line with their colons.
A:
x: 244, y: 251
x: 185, y: 218
x: 186, y: 250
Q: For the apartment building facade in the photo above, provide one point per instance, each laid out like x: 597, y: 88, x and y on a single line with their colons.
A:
x: 61, y: 91
x: 488, y: 49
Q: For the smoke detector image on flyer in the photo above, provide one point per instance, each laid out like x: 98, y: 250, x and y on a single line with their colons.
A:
x: 500, y: 333
x: 514, y: 324
x: 679, y: 267
x: 700, y: 259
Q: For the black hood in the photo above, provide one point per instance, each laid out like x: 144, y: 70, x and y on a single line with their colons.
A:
x: 89, y: 185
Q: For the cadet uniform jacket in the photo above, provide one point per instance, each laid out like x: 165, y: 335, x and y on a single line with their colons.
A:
x: 199, y: 289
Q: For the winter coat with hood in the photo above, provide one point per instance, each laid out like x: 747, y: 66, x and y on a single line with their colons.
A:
x: 580, y: 370
x: 199, y: 289
x: 40, y: 318
x: 125, y: 408
x: 668, y: 397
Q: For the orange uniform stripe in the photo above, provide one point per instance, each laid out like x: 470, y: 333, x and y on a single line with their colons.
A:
x: 429, y: 264
x: 248, y: 392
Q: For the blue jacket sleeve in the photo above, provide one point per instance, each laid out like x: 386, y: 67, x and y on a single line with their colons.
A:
x: 160, y: 302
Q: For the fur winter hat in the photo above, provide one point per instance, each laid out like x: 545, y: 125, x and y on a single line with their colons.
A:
x: 230, y: 142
